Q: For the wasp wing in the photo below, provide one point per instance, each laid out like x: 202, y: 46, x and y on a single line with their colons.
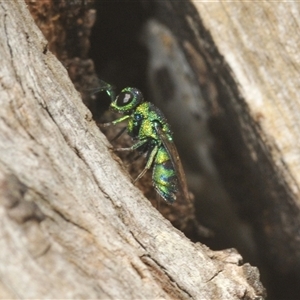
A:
x: 171, y: 149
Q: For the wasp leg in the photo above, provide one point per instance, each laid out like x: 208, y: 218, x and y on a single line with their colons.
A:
x: 114, y: 122
x: 133, y: 147
x: 158, y: 198
x: 148, y: 164
x: 118, y: 134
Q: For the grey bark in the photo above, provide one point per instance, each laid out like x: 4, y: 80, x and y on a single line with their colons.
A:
x: 258, y: 71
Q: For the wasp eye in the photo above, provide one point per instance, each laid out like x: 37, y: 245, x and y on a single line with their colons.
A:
x: 124, y: 98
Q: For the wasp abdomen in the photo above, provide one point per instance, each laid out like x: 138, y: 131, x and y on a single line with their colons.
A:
x: 164, y: 176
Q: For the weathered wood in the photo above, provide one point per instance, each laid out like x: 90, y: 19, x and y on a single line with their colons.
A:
x: 72, y: 224
x: 259, y: 44
x: 255, y: 55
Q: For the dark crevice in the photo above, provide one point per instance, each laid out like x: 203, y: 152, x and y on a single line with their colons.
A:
x: 146, y: 258
x: 137, y: 240
x: 214, y: 276
x: 119, y: 56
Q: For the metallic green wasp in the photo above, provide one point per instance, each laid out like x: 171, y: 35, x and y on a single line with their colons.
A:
x: 149, y: 128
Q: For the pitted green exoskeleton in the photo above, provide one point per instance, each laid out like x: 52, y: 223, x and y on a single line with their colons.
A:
x: 149, y: 128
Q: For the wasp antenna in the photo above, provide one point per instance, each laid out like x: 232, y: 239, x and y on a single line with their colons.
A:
x: 104, y: 124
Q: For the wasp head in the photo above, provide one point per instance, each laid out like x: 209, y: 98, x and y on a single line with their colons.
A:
x: 127, y: 100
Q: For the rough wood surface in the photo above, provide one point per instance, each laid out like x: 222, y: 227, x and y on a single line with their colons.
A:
x: 260, y: 44
x: 257, y: 44
x: 72, y: 224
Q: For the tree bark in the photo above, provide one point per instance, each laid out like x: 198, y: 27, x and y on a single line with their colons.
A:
x: 255, y: 57
x: 72, y: 224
